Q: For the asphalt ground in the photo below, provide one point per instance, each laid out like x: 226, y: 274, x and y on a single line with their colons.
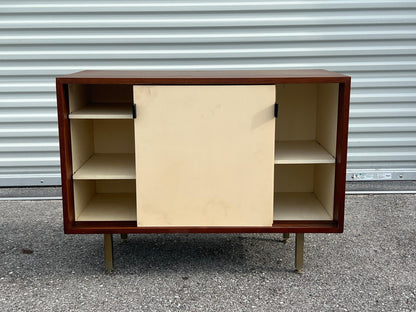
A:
x: 369, y: 267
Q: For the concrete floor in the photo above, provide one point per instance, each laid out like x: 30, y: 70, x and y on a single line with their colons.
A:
x: 370, y: 267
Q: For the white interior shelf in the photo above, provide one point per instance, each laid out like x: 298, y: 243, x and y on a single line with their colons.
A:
x: 103, y: 111
x: 301, y: 152
x: 110, y: 207
x: 107, y: 166
x: 299, y: 206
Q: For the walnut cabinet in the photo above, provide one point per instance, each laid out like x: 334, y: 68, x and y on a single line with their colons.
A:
x: 215, y: 151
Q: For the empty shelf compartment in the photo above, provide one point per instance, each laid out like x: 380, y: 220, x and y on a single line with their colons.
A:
x: 297, y: 206
x: 109, y: 207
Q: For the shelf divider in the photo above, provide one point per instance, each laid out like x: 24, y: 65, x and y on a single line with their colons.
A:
x: 104, y: 111
x: 301, y: 152
x: 107, y: 166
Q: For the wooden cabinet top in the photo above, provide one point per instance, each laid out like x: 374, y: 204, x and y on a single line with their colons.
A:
x: 204, y: 77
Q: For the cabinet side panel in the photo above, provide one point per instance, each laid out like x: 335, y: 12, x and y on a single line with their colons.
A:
x: 341, y: 156
x: 65, y: 154
x: 82, y: 142
x: 83, y: 192
x: 115, y: 186
x: 327, y: 113
x: 78, y: 96
x: 324, y: 186
x: 204, y: 155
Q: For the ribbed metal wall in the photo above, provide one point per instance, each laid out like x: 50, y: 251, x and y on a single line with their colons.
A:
x: 373, y: 41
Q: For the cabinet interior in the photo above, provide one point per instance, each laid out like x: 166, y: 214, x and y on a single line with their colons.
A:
x: 105, y: 200
x: 304, y: 192
x: 103, y: 147
x: 102, y: 101
x: 106, y: 139
x: 306, y: 130
x: 307, y: 116
x: 102, y: 143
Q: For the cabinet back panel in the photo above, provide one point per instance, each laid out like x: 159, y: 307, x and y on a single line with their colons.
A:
x: 327, y: 114
x: 297, y: 111
x: 116, y: 186
x: 294, y: 178
x: 110, y: 94
x: 113, y: 136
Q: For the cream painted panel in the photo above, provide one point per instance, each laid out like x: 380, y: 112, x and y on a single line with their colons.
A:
x: 324, y: 186
x: 83, y: 192
x: 297, y: 112
x: 113, y: 136
x: 204, y: 155
x: 78, y: 96
x: 294, y: 178
x: 82, y: 142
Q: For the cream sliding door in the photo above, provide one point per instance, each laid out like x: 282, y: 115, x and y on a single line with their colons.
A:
x: 205, y: 155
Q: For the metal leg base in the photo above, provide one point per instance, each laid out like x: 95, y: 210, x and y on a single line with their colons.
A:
x: 299, y: 252
x: 108, y: 253
x: 286, y: 237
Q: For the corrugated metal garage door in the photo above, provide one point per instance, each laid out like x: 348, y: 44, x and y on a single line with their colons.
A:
x: 373, y: 41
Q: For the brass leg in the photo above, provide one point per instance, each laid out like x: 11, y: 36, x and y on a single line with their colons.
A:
x: 108, y: 253
x: 299, y: 252
x: 123, y: 236
x: 286, y: 237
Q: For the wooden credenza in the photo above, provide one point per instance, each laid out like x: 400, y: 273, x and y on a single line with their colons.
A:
x: 203, y: 152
